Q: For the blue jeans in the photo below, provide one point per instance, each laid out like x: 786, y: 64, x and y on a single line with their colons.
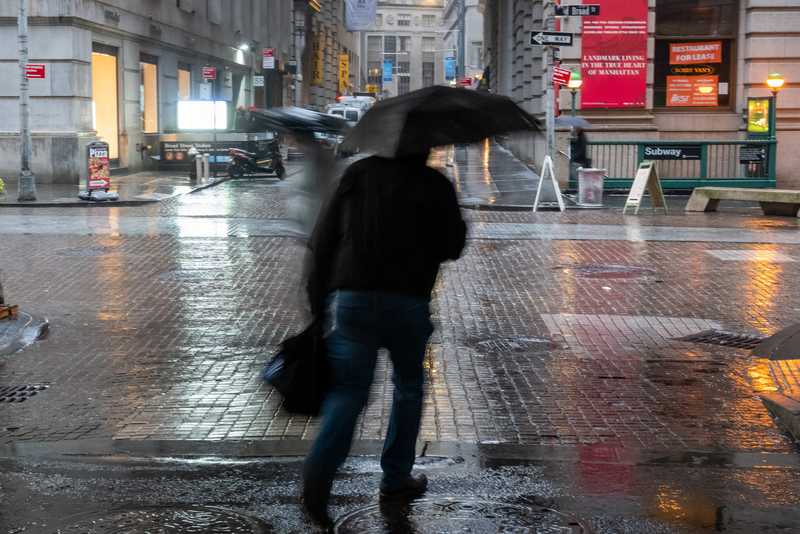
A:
x: 360, y: 323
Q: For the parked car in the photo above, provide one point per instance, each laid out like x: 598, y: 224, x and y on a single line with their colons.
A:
x: 327, y: 141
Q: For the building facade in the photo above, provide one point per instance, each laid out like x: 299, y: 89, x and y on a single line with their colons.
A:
x: 473, y: 35
x: 405, y: 51
x: 115, y: 69
x: 321, y: 39
x: 731, y: 46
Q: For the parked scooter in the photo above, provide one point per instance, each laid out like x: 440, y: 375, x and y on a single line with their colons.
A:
x: 243, y: 163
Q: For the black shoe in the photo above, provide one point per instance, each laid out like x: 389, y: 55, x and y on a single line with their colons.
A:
x: 315, y: 503
x: 414, y: 487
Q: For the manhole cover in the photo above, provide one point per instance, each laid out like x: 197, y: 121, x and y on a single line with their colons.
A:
x: 604, y: 271
x: 508, y: 344
x: 444, y: 515
x: 155, y: 520
x: 724, y: 339
x: 81, y: 252
x: 20, y: 393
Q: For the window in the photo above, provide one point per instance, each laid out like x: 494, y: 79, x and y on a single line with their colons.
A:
x: 375, y: 60
x: 184, y: 82
x: 104, y: 96
x: 476, y: 55
x: 378, y: 20
x: 148, y: 92
x: 427, y: 73
x: 428, y: 21
x: 403, y: 77
x: 428, y: 44
x: 404, y: 44
x: 695, y: 43
x: 404, y: 20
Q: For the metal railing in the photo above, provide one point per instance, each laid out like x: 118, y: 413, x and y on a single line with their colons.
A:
x: 719, y: 163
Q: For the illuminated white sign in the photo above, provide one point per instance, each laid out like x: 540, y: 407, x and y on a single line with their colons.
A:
x: 202, y: 115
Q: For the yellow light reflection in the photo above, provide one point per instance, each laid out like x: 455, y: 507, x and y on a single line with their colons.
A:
x: 761, y: 377
x: 685, y: 505
x: 761, y: 280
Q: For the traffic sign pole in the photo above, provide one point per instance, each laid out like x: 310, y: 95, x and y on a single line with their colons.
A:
x: 550, y: 114
x: 26, y: 185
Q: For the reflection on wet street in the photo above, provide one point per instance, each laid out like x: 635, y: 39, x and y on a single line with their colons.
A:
x: 560, y: 394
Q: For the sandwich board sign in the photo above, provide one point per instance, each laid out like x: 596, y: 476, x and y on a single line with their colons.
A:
x: 548, y: 194
x: 646, y: 177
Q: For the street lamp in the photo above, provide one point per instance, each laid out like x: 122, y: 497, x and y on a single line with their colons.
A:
x: 775, y: 81
x: 574, y: 82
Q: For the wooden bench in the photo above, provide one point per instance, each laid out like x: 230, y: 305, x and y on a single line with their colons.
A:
x: 773, y: 201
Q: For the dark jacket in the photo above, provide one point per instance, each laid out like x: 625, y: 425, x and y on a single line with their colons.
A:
x: 387, y: 228
x: 578, y: 149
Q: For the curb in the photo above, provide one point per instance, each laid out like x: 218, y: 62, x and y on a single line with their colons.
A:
x: 30, y: 328
x: 786, y: 409
x: 107, y: 203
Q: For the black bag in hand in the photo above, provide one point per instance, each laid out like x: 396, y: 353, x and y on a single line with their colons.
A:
x: 300, y: 370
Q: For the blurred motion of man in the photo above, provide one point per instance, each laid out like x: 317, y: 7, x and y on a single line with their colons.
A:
x: 312, y: 186
x: 376, y: 253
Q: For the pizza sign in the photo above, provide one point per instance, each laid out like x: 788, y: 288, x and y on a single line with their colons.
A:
x: 97, y: 171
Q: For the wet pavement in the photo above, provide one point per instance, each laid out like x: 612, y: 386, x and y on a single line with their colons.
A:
x: 556, y: 376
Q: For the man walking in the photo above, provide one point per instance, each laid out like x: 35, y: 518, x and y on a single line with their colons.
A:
x: 376, y: 253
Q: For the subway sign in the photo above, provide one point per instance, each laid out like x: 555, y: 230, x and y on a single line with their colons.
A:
x: 681, y: 152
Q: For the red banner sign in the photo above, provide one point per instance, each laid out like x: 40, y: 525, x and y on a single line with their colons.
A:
x: 692, y: 90
x: 268, y: 61
x: 688, y: 53
x: 465, y: 81
x: 209, y: 73
x: 561, y: 75
x: 614, y: 55
x: 34, y: 71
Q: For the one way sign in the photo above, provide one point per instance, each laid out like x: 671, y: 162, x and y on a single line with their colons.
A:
x: 551, y: 38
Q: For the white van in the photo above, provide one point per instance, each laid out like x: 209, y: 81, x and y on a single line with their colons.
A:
x: 351, y: 115
x: 363, y: 102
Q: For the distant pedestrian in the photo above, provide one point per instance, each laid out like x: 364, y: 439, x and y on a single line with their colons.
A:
x: 578, y: 149
x: 376, y: 252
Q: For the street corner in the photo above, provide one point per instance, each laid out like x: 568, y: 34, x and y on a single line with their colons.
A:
x: 20, y: 330
x: 786, y: 408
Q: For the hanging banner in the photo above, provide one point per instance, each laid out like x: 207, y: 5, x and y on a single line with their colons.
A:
x: 360, y: 14
x: 344, y: 73
x: 387, y: 71
x: 690, y: 53
x: 449, y: 68
x: 614, y: 55
x: 318, y: 60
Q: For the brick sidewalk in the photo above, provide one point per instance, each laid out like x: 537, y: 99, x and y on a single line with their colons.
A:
x: 161, y: 332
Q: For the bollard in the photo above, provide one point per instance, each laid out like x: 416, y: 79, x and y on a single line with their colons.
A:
x: 206, y: 159
x: 199, y: 160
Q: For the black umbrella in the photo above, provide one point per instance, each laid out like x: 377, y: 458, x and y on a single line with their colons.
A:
x: 574, y: 122
x: 294, y: 120
x: 435, y: 116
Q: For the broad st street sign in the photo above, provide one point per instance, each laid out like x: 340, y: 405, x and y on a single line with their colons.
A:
x: 586, y: 10
x: 551, y: 38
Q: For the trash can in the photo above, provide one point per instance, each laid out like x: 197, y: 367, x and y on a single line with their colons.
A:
x: 590, y: 187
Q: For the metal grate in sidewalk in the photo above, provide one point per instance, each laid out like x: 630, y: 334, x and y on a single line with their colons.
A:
x: 724, y: 339
x: 21, y: 393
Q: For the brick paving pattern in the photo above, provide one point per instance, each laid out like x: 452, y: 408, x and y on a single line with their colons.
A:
x: 160, y: 332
